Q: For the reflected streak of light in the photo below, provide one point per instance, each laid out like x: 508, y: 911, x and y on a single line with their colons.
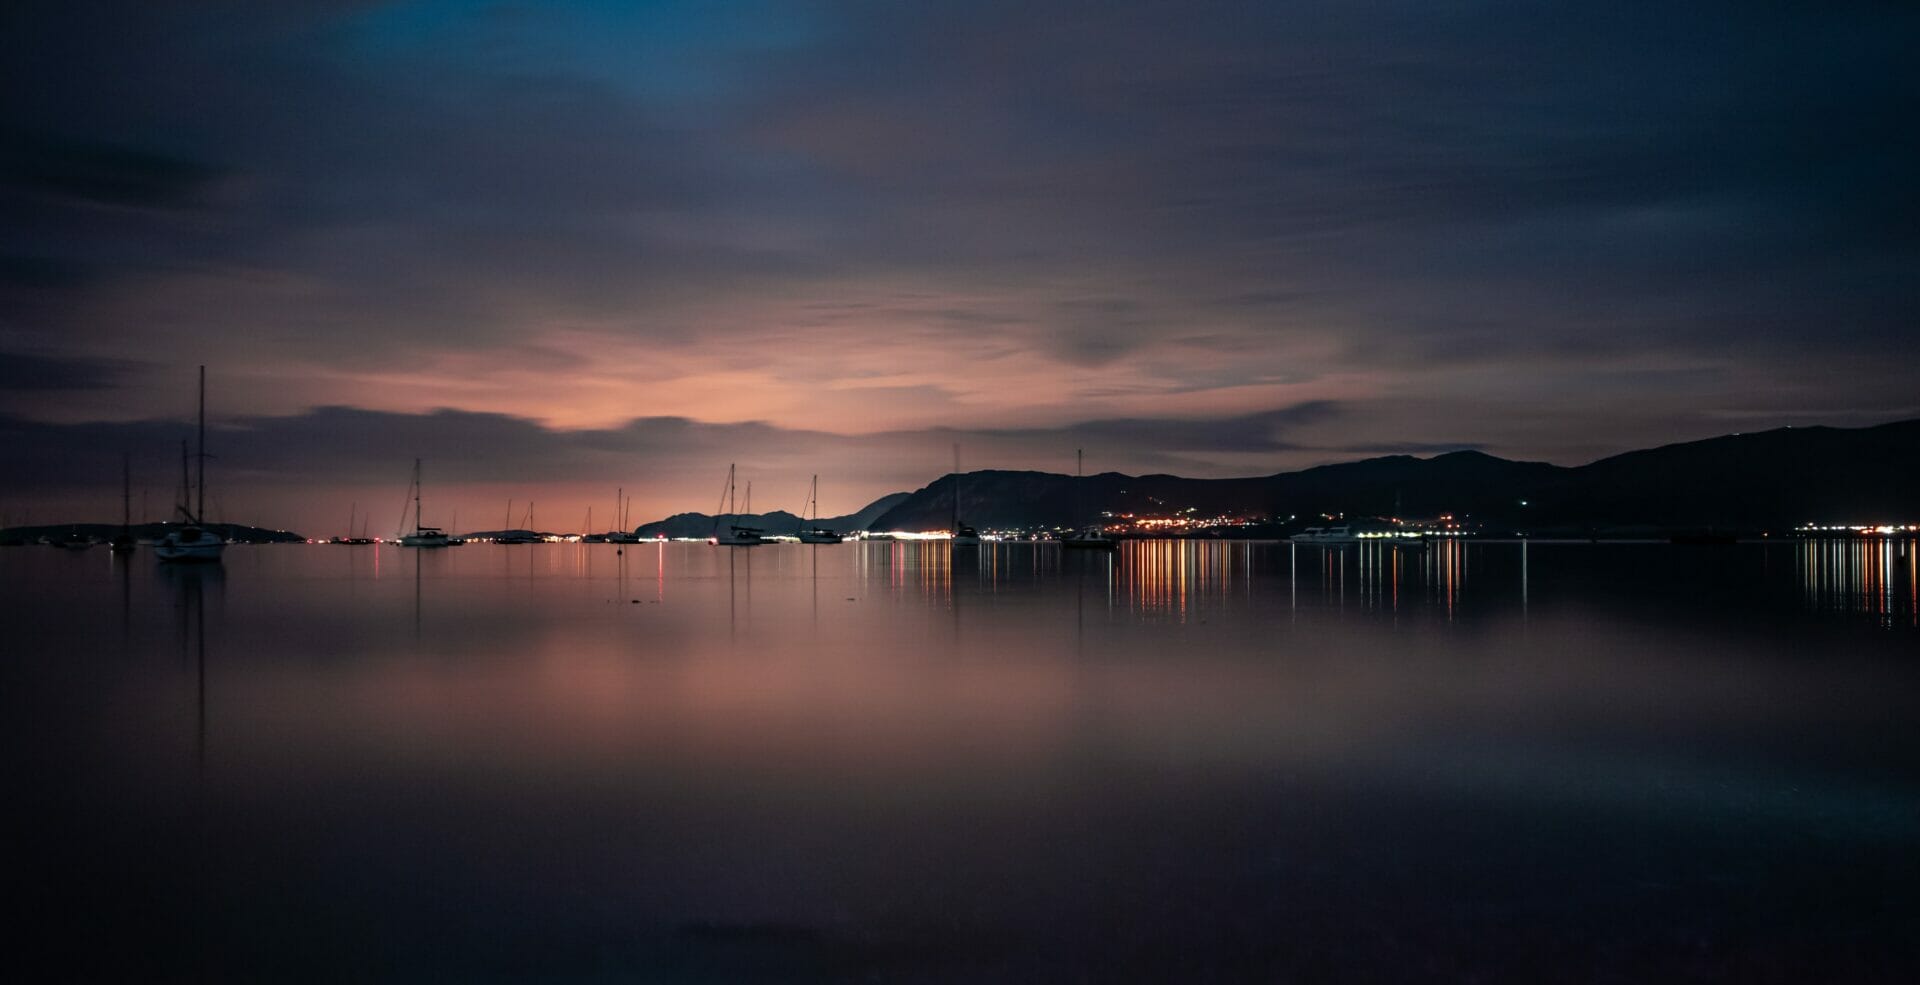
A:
x: 1860, y: 576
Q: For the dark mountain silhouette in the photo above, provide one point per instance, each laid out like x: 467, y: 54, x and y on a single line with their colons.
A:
x: 776, y: 522
x: 1771, y: 479
x: 1762, y: 479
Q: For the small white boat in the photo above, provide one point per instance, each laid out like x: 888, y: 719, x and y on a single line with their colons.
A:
x: 192, y: 541
x: 735, y: 536
x: 426, y: 537
x: 1340, y: 534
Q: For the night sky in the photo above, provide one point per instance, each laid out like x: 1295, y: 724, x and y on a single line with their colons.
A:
x: 554, y: 248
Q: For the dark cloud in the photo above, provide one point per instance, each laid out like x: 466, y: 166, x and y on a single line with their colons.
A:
x: 1267, y: 431
x: 102, y: 174
x: 295, y: 465
x: 21, y: 371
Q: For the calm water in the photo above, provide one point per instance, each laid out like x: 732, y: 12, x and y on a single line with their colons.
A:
x: 1184, y: 762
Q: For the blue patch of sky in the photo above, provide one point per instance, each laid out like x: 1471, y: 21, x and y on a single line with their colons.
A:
x: 664, y: 51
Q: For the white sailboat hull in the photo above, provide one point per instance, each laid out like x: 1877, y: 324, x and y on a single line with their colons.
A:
x: 192, y: 544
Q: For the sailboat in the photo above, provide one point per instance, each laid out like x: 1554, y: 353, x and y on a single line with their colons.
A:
x: 963, y: 535
x: 510, y: 536
x: 1092, y: 537
x: 122, y: 542
x: 192, y: 541
x: 623, y: 534
x: 811, y: 532
x: 355, y: 536
x: 735, y: 535
x: 421, y: 536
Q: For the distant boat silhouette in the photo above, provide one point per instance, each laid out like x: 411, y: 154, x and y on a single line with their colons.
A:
x: 735, y: 534
x: 1338, y: 534
x: 622, y: 533
x: 962, y: 535
x: 511, y: 536
x: 421, y: 536
x: 192, y: 541
x: 1091, y: 537
x: 810, y: 530
x: 354, y: 535
x: 122, y: 542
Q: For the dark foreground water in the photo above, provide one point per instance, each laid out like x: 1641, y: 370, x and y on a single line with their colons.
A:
x: 1185, y: 762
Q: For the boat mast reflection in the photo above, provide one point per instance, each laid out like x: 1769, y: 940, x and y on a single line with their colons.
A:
x: 191, y: 585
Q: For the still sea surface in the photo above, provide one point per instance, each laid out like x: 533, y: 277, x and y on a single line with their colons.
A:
x: 1183, y: 762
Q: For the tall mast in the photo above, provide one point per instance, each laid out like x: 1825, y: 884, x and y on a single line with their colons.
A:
x: 200, y: 509
x: 126, y: 491
x: 508, y: 523
x: 416, y: 495
x: 955, y: 526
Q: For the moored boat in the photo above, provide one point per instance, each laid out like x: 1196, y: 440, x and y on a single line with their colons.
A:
x: 961, y: 534
x: 422, y: 536
x: 733, y: 533
x: 1337, y: 534
x: 1091, y: 537
x: 811, y: 532
x: 192, y: 541
x: 122, y: 542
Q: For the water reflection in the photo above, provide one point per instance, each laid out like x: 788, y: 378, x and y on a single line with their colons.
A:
x: 902, y: 762
x: 1183, y: 578
x: 191, y: 584
x: 1870, y: 576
